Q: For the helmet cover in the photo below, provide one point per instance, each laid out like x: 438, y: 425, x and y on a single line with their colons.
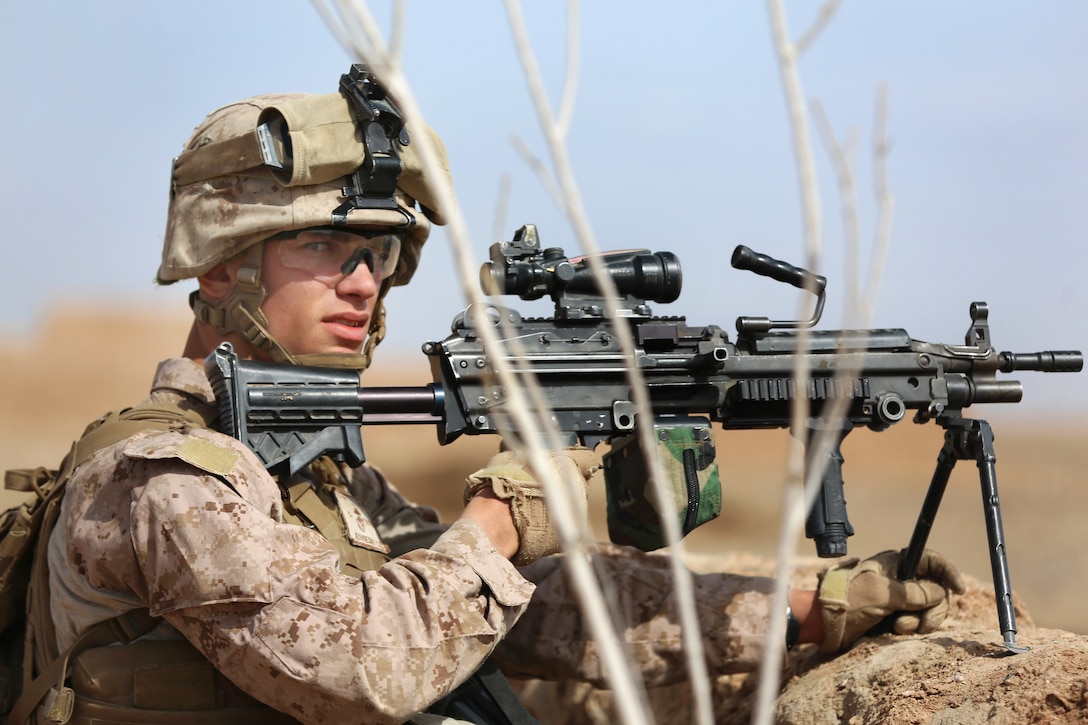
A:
x: 225, y: 197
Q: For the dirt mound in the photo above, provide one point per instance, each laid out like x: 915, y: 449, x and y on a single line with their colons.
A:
x: 955, y: 676
x: 959, y: 675
x: 948, y: 678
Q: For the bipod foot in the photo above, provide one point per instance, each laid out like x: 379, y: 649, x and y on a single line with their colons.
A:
x: 1010, y: 644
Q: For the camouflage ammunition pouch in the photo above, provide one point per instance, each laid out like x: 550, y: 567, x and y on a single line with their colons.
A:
x: 687, y: 451
x: 159, y: 682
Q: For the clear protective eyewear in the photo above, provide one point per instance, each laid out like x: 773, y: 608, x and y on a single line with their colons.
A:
x: 331, y: 254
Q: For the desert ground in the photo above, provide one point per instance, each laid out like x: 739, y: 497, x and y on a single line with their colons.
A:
x: 83, y: 362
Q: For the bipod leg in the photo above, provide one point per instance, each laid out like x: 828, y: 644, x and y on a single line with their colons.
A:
x: 946, y: 461
x: 980, y: 441
x: 969, y: 439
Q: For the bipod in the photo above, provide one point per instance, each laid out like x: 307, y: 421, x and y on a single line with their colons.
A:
x: 969, y: 439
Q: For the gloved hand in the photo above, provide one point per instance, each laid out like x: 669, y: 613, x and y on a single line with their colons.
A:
x: 508, y: 475
x: 854, y: 597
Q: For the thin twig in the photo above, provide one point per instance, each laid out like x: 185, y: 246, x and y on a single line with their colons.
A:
x: 570, y: 82
x: 368, y: 46
x: 843, y: 158
x: 793, y: 511
x: 823, y: 18
x: 833, y: 414
x: 540, y: 169
x: 884, y: 199
x: 502, y: 206
x: 572, y: 199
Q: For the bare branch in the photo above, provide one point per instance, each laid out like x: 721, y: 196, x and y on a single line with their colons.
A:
x: 823, y: 18
x: 630, y: 695
x: 542, y: 172
x: 396, y: 34
x: 794, y: 510
x: 834, y: 425
x: 332, y: 22
x: 570, y: 84
x: 572, y: 200
x: 528, y: 62
x: 539, y: 433
x: 885, y: 200
x: 361, y: 31
x: 502, y: 204
x: 842, y: 160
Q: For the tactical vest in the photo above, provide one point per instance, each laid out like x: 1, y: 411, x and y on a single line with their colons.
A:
x: 110, y: 675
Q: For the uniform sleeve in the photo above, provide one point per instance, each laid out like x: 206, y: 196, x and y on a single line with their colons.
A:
x: 552, y: 639
x: 264, y: 602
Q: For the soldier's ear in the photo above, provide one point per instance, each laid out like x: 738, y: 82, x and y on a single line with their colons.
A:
x: 217, y: 282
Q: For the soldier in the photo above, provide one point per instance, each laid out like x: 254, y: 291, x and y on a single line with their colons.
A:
x: 331, y: 598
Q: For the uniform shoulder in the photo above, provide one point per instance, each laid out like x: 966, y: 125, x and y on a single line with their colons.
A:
x: 207, y: 451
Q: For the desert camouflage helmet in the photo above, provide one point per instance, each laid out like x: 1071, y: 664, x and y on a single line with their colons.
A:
x: 278, y: 163
x: 225, y: 198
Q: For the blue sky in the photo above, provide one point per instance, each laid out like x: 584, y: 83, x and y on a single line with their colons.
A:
x: 679, y: 142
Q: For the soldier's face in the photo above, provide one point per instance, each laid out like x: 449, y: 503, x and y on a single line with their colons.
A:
x: 312, y: 306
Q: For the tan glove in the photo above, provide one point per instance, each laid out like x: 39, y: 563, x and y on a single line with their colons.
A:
x: 508, y: 475
x: 854, y: 597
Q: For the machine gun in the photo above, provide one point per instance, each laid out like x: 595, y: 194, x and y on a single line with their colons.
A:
x: 695, y: 375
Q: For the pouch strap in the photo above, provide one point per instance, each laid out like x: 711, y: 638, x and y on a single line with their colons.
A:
x: 307, y: 505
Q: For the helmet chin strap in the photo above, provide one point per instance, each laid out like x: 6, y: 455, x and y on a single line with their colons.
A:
x: 240, y: 312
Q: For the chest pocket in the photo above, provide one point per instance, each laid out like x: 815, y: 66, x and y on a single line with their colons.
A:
x: 322, y: 501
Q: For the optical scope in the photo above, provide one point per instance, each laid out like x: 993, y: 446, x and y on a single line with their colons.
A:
x: 520, y: 267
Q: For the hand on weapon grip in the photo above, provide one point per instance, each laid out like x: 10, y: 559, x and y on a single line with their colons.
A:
x: 856, y: 596
x: 509, y: 476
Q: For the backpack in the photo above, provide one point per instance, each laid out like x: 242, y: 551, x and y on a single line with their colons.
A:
x: 26, y: 636
x: 19, y: 527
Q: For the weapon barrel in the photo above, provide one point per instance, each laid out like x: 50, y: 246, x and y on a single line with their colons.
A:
x: 1048, y: 361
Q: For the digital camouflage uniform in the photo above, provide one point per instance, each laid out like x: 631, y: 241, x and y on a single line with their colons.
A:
x: 377, y: 615
x: 265, y: 602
